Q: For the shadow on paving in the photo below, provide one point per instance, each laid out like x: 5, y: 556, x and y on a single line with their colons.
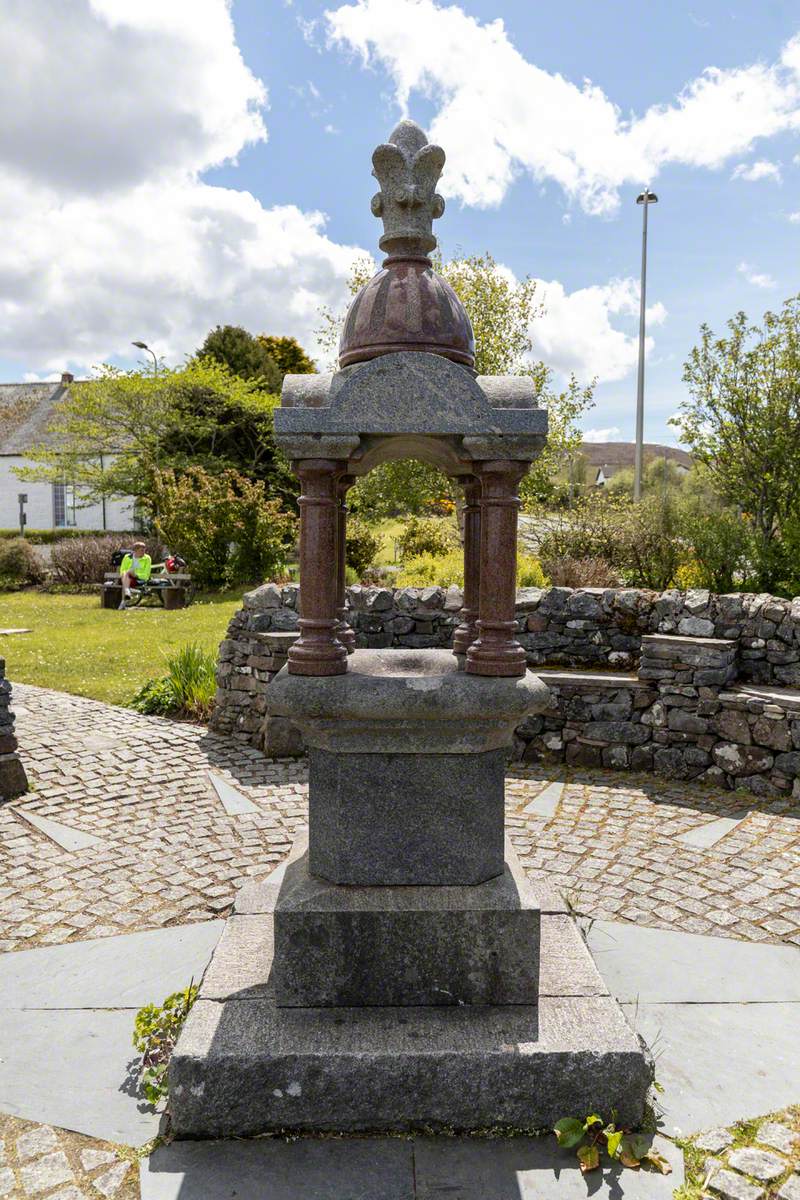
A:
x: 392, y: 1169
x: 676, y: 793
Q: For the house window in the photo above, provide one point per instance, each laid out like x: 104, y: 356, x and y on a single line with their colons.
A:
x: 63, y: 505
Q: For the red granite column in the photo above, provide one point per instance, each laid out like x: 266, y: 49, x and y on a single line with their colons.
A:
x: 343, y: 631
x: 318, y: 650
x: 467, y: 632
x: 497, y: 652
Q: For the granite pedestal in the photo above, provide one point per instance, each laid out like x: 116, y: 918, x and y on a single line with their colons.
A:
x: 374, y: 983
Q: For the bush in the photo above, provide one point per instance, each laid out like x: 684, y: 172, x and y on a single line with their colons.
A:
x: 422, y: 536
x: 224, y: 525
x: 530, y: 573
x: 362, y: 545
x: 432, y: 570
x: 580, y: 572
x: 444, y: 570
x: 192, y: 676
x: 188, y: 688
x: 156, y: 698
x: 19, y: 562
x: 155, y: 1032
x: 87, y: 559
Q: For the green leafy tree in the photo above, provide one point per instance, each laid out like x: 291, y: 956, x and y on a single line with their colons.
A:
x: 502, y: 311
x: 244, y: 355
x: 288, y: 354
x: 116, y: 434
x: 742, y: 421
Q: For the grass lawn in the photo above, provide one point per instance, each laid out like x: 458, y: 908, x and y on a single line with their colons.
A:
x: 77, y: 646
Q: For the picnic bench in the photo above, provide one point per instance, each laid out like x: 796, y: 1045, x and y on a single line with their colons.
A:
x: 171, y: 590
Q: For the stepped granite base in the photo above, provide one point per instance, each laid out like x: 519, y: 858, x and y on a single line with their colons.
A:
x: 246, y: 1065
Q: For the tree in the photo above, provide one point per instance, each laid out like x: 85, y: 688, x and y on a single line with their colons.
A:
x: 288, y: 354
x: 502, y: 311
x: 742, y: 421
x: 116, y: 434
x: 244, y: 355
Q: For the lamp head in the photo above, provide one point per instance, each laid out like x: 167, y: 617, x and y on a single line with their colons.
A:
x: 140, y: 345
x: 647, y: 197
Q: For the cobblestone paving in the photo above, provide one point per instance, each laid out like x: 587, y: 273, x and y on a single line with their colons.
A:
x: 752, y: 1160
x: 169, y: 854
x: 56, y: 1164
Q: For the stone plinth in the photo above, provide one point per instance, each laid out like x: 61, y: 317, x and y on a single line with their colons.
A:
x: 392, y: 946
x: 407, y: 766
x: 244, y: 1064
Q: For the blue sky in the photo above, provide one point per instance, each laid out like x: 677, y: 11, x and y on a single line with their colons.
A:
x: 202, y: 208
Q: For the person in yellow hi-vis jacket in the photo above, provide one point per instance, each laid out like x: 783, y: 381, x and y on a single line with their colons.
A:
x: 134, y: 569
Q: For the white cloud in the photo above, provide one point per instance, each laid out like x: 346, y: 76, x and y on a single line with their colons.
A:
x: 794, y: 217
x: 754, y: 172
x: 602, y: 435
x: 758, y: 278
x: 111, y: 113
x: 576, y: 333
x: 498, y: 115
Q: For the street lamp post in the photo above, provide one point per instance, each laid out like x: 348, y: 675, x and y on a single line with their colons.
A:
x: 144, y: 346
x: 645, y: 198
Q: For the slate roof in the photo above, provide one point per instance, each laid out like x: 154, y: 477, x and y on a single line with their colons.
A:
x: 26, y: 409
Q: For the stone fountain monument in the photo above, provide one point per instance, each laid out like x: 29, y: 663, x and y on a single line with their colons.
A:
x: 398, y: 971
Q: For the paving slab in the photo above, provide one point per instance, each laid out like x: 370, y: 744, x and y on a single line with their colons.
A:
x: 66, y: 836
x: 719, y: 1063
x: 266, y: 1169
x: 119, y: 972
x: 71, y: 1069
x: 393, y: 1169
x: 712, y: 1011
x: 668, y: 967
x: 66, y: 1020
x: 235, y: 803
x: 702, y: 837
x: 547, y: 802
x: 530, y: 1169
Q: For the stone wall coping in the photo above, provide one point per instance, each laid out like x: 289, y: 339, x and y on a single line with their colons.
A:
x: 674, y: 639
x: 785, y: 697
x: 578, y: 678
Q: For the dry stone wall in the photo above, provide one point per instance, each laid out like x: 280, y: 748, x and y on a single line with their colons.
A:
x: 687, y: 684
x: 13, y: 781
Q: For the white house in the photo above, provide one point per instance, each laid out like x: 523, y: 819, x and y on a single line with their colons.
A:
x: 26, y: 410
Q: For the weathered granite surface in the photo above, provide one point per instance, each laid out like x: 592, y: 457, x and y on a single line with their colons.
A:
x: 406, y: 818
x: 396, y: 946
x: 245, y: 1065
x: 13, y: 780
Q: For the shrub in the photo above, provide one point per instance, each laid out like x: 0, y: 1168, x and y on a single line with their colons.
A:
x: 155, y: 698
x: 155, y: 1032
x: 422, y: 536
x: 83, y: 560
x: 530, y: 573
x: 19, y: 562
x: 192, y: 676
x: 444, y: 570
x: 188, y: 688
x: 580, y: 572
x: 433, y: 570
x: 362, y: 545
x: 224, y: 525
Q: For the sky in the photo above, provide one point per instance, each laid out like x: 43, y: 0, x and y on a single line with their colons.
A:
x: 169, y: 166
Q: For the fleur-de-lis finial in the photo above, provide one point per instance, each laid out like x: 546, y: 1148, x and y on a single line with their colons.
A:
x: 408, y: 169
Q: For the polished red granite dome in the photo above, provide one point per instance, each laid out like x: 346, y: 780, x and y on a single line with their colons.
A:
x: 407, y: 306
